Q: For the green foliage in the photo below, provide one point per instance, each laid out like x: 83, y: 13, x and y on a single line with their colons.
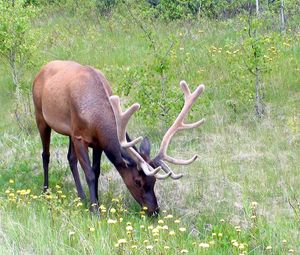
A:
x: 16, y: 39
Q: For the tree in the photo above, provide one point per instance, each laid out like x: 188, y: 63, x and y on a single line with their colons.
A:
x: 16, y: 41
x: 16, y: 46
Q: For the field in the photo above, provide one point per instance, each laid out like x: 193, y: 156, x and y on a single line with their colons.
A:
x: 242, y: 196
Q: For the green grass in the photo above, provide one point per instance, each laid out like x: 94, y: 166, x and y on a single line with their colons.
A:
x: 242, y: 159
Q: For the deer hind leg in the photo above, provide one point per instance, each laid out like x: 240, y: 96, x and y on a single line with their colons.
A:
x: 72, y: 158
x: 81, y: 150
x: 96, y: 167
x: 45, y: 133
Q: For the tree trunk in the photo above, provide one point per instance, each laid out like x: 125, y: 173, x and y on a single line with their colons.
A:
x: 282, y: 16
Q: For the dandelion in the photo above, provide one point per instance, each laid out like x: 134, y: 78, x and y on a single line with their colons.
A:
x: 213, y: 234
x: 184, y: 251
x: 177, y: 221
x: 146, y: 241
x: 222, y: 221
x: 142, y: 226
x: 129, y: 228
x: 122, y: 241
x: 71, y: 233
x: 165, y: 227
x: 134, y: 246
x: 110, y: 221
x: 204, y: 245
x: 284, y: 242
x: 160, y: 222
x: 121, y: 219
x: 172, y: 233
x: 79, y: 204
x: 57, y: 186
x: 59, y: 192
x: 113, y: 210
x: 241, y: 246
x: 254, y: 205
x: 149, y: 247
x: 234, y: 243
x: 63, y: 196
x: 269, y: 248
x: 48, y: 197
x: 182, y: 229
x: 92, y: 229
x: 220, y: 235
x: 11, y: 181
x: 291, y: 251
x: 237, y: 228
x: 7, y: 191
x: 166, y: 247
x: 169, y: 216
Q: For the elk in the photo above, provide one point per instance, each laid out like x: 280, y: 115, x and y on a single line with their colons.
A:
x: 77, y: 101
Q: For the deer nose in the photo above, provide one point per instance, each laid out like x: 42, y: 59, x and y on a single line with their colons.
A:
x: 154, y: 213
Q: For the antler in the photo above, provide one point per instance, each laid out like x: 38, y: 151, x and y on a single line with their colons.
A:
x: 189, y: 99
x: 122, y: 119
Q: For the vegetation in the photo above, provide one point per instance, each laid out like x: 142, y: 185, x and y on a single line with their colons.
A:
x: 241, y: 197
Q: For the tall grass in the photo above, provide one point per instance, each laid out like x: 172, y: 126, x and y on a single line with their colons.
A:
x: 243, y: 160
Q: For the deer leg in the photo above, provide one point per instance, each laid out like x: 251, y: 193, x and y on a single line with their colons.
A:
x: 81, y: 150
x: 72, y: 158
x: 96, y: 168
x: 45, y: 133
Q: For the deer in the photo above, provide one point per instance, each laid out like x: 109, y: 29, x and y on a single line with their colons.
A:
x: 77, y: 101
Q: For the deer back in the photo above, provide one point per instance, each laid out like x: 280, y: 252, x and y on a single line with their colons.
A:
x: 74, y: 100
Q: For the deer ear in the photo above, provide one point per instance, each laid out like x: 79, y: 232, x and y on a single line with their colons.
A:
x: 145, y: 149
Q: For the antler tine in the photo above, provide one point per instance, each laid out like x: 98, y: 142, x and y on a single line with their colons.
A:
x: 167, y: 169
x: 189, y: 100
x: 122, y: 119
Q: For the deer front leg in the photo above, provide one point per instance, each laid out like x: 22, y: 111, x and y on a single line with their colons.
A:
x: 81, y: 150
x: 96, y: 167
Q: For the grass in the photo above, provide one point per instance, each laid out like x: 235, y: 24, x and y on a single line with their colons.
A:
x: 243, y: 160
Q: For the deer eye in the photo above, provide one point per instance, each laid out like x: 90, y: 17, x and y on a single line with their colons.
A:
x: 138, y: 183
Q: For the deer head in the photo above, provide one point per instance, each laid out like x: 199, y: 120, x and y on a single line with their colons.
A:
x: 141, y: 172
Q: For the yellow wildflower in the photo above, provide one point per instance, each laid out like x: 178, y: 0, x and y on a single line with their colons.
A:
x: 129, y: 228
x: 122, y: 241
x: 149, y: 247
x: 110, y: 221
x: 172, y: 233
x: 204, y: 245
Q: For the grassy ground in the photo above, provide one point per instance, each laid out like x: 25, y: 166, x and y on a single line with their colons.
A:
x: 240, y: 197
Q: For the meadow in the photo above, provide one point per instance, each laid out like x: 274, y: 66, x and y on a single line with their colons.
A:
x: 242, y: 196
